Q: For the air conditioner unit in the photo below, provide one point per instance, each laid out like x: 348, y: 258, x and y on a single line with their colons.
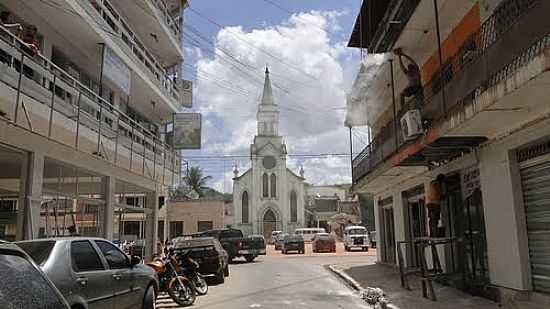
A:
x: 411, y: 124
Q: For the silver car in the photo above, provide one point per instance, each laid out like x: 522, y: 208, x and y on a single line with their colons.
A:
x: 94, y: 273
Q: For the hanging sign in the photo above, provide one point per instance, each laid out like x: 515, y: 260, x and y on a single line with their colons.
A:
x: 187, y: 131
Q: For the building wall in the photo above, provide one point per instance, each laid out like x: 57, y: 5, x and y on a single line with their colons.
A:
x: 193, y: 211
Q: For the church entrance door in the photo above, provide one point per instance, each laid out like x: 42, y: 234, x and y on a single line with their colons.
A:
x: 269, y: 223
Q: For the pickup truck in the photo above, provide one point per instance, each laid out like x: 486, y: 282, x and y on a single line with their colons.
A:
x: 236, y: 244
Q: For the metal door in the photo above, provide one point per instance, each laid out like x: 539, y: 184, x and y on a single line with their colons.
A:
x: 388, y: 254
x: 535, y: 180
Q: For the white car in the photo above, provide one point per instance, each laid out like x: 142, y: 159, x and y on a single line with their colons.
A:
x: 356, y: 236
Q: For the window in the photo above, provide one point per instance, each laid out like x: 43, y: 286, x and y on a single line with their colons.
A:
x: 245, y: 207
x: 293, y: 207
x: 204, y: 226
x: 160, y: 233
x: 273, y: 185
x: 176, y: 228
x: 114, y: 257
x: 39, y: 251
x: 84, y: 257
x: 25, y: 286
x: 265, y: 185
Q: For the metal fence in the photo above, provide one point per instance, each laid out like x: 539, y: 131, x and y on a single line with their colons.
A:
x: 48, y: 101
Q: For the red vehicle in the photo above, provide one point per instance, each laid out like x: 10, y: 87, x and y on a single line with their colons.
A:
x: 323, y: 242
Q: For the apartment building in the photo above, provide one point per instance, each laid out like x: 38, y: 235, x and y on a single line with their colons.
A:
x: 87, y: 93
x: 485, y: 126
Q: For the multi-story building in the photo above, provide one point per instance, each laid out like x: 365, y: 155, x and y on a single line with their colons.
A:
x: 87, y: 92
x: 485, y: 68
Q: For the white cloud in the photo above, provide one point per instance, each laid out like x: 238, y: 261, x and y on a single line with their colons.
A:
x: 309, y: 84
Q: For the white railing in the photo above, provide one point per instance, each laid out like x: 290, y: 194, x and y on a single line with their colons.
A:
x: 168, y: 19
x: 118, y: 25
x: 61, y: 108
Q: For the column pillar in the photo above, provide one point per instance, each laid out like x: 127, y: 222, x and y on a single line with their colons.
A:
x: 30, y: 196
x: 166, y: 226
x: 151, y: 223
x: 109, y: 186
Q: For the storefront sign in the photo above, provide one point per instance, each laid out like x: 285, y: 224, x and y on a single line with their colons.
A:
x: 116, y: 70
x: 187, y: 131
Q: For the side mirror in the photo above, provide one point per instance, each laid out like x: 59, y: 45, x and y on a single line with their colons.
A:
x: 134, y: 260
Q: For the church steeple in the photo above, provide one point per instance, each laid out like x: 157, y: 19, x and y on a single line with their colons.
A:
x: 268, y: 114
x: 267, y: 96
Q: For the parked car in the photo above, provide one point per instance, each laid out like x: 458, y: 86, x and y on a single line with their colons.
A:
x: 308, y: 232
x: 293, y: 243
x: 279, y: 241
x: 356, y: 236
x: 372, y: 238
x: 236, y: 244
x: 23, y: 284
x: 323, y: 242
x: 93, y: 272
x: 208, y: 252
x: 273, y: 237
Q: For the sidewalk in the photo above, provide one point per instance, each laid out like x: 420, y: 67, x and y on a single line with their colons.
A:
x: 387, y: 278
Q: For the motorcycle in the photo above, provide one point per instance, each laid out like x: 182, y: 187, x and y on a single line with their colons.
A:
x: 190, y: 269
x: 179, y: 287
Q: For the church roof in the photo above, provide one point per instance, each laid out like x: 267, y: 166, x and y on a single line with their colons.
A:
x: 294, y: 174
x: 267, y: 96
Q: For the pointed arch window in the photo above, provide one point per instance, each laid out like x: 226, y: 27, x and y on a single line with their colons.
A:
x: 293, y: 207
x: 273, y: 185
x: 244, y: 206
x: 265, y: 185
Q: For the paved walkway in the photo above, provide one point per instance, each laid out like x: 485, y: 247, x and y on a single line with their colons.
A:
x: 387, y: 278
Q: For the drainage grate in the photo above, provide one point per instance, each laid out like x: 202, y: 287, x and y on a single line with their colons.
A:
x: 533, y: 151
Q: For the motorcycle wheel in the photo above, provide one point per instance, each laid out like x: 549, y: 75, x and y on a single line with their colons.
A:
x: 183, y: 295
x: 201, y: 286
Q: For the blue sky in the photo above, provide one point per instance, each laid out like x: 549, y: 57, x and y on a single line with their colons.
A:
x: 311, y: 70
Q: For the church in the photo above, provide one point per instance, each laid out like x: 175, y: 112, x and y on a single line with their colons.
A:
x: 268, y: 196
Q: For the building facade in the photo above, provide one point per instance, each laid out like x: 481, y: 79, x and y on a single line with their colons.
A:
x: 192, y: 216
x: 268, y: 196
x: 87, y: 89
x: 486, y: 129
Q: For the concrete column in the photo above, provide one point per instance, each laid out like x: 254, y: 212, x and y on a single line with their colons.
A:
x: 30, y: 196
x: 106, y: 228
x: 167, y: 204
x: 378, y: 229
x: 151, y: 223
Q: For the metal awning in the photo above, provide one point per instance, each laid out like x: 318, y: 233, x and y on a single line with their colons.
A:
x: 442, y: 149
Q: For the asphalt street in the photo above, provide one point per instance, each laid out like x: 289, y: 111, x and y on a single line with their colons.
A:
x: 281, y: 282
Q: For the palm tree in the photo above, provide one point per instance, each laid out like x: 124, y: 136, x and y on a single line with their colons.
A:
x: 196, y: 180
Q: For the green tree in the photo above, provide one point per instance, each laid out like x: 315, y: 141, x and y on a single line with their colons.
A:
x: 196, y: 180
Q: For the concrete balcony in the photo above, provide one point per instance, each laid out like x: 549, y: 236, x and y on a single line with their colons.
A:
x: 494, y: 85
x: 47, y: 102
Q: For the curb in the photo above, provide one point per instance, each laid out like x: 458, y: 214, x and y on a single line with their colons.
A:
x: 345, y: 277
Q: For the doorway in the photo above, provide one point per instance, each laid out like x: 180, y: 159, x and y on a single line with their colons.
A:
x: 269, y: 223
x: 388, y: 235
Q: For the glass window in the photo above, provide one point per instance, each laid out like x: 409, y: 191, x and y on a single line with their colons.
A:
x: 231, y: 234
x: 38, y: 250
x: 245, y: 207
x: 265, y: 185
x: 115, y: 258
x: 176, y: 228
x: 85, y: 257
x: 25, y: 286
x: 204, y: 226
x: 293, y: 207
x: 273, y: 185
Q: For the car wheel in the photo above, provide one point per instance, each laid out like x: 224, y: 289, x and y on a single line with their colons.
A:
x: 249, y: 258
x: 149, y: 298
x: 226, y: 271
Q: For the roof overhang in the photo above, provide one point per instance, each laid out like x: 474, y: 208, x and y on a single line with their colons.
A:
x: 442, y: 149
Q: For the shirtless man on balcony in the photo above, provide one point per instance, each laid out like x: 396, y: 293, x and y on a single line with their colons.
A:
x: 414, y: 89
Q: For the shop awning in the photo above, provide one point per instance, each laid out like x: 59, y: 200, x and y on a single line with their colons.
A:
x: 442, y: 149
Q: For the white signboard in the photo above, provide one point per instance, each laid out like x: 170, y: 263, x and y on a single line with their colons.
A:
x: 116, y: 70
x: 187, y: 131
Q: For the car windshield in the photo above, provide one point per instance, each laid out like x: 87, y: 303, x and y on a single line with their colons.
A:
x: 38, y: 250
x: 294, y: 238
x: 357, y: 231
x: 324, y: 237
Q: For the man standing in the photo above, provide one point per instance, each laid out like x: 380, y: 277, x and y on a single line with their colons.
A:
x: 433, y: 203
x: 412, y: 72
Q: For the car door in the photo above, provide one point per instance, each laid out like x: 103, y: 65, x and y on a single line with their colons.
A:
x: 93, y: 279
x: 127, y: 292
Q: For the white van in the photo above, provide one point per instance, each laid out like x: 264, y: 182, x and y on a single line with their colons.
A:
x: 356, y: 236
x: 308, y: 233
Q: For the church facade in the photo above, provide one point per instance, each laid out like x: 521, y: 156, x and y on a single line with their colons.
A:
x: 268, y: 196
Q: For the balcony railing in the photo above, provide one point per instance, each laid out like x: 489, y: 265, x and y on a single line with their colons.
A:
x: 514, y: 34
x: 118, y: 25
x: 168, y: 19
x: 65, y: 110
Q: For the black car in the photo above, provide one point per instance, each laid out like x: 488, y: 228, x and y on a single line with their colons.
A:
x: 236, y: 244
x: 24, y: 282
x: 208, y: 252
x: 293, y: 243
